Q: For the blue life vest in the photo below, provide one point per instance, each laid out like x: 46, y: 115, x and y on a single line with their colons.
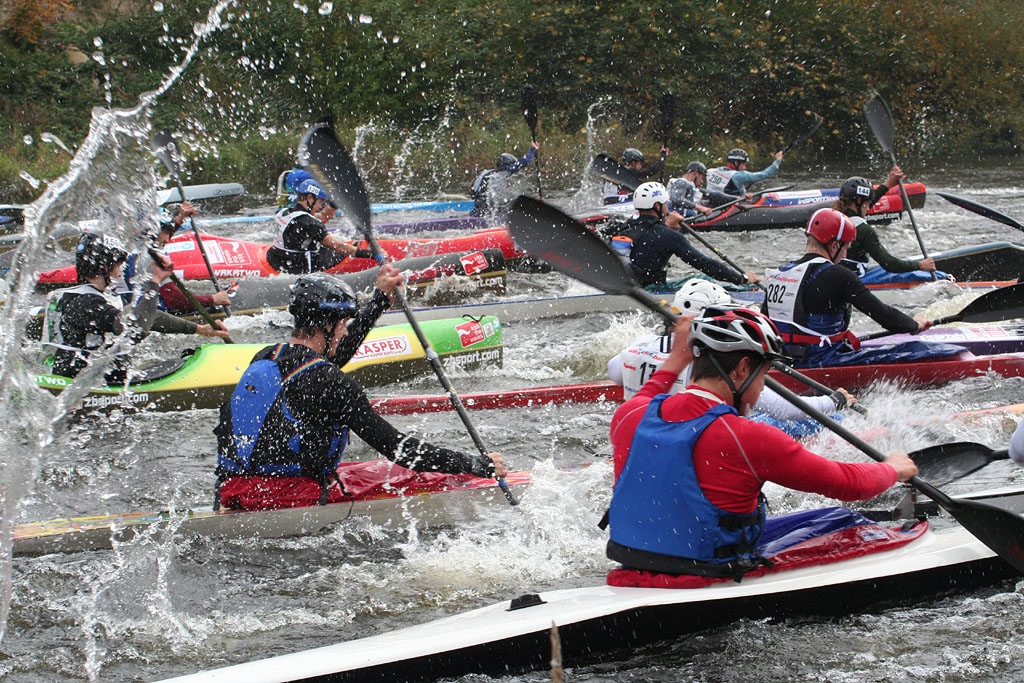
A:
x: 659, y: 509
x: 249, y: 449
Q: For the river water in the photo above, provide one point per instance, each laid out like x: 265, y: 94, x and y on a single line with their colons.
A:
x: 158, y: 607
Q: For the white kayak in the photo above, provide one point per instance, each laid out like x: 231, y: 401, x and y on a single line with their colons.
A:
x: 599, y: 622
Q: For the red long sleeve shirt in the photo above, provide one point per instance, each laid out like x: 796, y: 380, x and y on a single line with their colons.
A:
x: 734, y: 456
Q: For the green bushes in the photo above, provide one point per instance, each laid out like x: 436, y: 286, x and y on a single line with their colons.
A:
x: 449, y: 73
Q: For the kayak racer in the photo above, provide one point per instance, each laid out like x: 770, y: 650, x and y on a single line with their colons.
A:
x: 282, y: 433
x: 696, y: 450
x: 811, y: 302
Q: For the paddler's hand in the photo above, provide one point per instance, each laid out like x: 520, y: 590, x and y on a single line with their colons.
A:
x: 221, y: 299
x: 161, y: 266
x: 926, y: 264
x: 208, y: 331
x: 325, y: 214
x: 185, y: 210
x: 904, y: 466
x: 674, y: 220
x: 750, y: 278
x: 895, y: 176
x: 849, y: 398
x: 922, y: 325
x: 499, y: 465
x: 778, y: 156
x: 681, y: 354
x: 389, y: 279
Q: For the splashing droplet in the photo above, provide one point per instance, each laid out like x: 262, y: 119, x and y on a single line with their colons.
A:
x: 27, y: 140
x: 326, y: 9
x: 158, y: 7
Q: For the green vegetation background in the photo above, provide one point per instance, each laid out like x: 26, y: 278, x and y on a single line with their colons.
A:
x: 428, y: 91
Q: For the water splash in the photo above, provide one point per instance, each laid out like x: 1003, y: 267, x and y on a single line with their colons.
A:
x: 110, y: 181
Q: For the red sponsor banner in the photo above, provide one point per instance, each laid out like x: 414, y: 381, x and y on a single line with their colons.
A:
x: 474, y: 263
x: 470, y: 332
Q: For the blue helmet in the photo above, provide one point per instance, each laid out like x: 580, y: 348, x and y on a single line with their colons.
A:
x: 310, y: 186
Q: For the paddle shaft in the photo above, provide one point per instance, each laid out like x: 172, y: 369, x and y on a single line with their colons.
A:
x: 530, y: 114
x: 817, y: 386
x: 202, y: 248
x: 803, y: 137
x: 668, y: 117
x: 693, y: 233
x: 321, y: 152
x: 200, y: 309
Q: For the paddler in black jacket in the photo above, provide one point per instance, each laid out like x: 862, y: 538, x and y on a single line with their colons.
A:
x: 82, y: 320
x: 655, y: 242
x: 283, y: 432
x: 303, y: 244
x: 811, y: 303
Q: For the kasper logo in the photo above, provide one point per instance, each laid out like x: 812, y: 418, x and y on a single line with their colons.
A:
x: 384, y: 347
x: 470, y: 332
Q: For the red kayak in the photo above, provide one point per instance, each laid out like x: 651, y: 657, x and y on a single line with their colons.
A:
x: 233, y: 258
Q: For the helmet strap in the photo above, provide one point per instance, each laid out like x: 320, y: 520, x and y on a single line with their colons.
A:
x: 737, y: 394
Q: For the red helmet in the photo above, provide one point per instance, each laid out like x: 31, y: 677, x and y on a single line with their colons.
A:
x: 827, y: 225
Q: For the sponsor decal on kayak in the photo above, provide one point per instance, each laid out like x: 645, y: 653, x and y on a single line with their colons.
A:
x: 53, y: 380
x: 474, y: 357
x: 385, y: 347
x: 470, y: 332
x: 243, y: 272
x: 474, y: 263
x: 114, y: 400
x: 178, y: 247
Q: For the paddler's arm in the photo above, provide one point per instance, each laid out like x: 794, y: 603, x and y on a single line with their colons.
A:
x: 852, y: 290
x: 870, y: 243
x: 388, y: 279
x: 409, y: 451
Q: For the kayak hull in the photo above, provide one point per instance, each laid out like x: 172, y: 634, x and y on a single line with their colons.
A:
x: 604, y: 622
x: 388, y: 354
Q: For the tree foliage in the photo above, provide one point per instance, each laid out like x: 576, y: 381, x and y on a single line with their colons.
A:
x: 744, y: 71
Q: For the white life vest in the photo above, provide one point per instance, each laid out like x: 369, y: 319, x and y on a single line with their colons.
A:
x: 283, y: 218
x: 643, y: 358
x: 718, y: 179
x: 784, y: 300
x: 52, y: 316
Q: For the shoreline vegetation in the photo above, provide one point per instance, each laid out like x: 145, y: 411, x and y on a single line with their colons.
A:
x: 428, y: 94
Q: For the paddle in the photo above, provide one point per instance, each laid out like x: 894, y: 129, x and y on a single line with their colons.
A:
x: 880, y: 119
x: 529, y: 101
x: 167, y: 151
x: 158, y: 257
x: 1005, y: 303
x: 668, y: 119
x: 817, y: 386
x: 572, y: 249
x: 981, y: 210
x: 325, y: 157
x: 949, y: 461
x: 614, y: 172
x: 806, y: 135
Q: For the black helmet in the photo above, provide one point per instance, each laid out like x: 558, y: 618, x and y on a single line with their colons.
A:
x: 97, y: 254
x: 506, y: 159
x: 319, y: 301
x: 698, y: 167
x: 856, y: 188
x: 632, y: 154
x: 738, y: 156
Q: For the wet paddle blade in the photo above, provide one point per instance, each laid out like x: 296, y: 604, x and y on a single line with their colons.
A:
x: 323, y: 154
x: 981, y: 210
x: 529, y: 102
x: 572, y: 249
x: 880, y: 119
x: 166, y: 150
x: 818, y: 121
x: 948, y: 462
x: 614, y: 172
x: 1005, y: 303
x: 999, y: 529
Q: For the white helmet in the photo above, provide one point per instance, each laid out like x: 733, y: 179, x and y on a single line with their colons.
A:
x: 649, y: 194
x: 695, y: 295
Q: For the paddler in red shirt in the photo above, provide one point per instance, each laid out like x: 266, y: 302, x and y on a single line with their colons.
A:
x: 689, y: 468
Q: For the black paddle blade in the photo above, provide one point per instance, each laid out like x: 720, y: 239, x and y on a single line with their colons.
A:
x: 323, y: 155
x: 880, y: 119
x: 950, y: 461
x: 569, y: 246
x: 999, y: 529
x: 166, y: 150
x: 981, y: 210
x: 614, y: 172
x: 668, y: 115
x: 529, y: 101
x: 1005, y: 303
